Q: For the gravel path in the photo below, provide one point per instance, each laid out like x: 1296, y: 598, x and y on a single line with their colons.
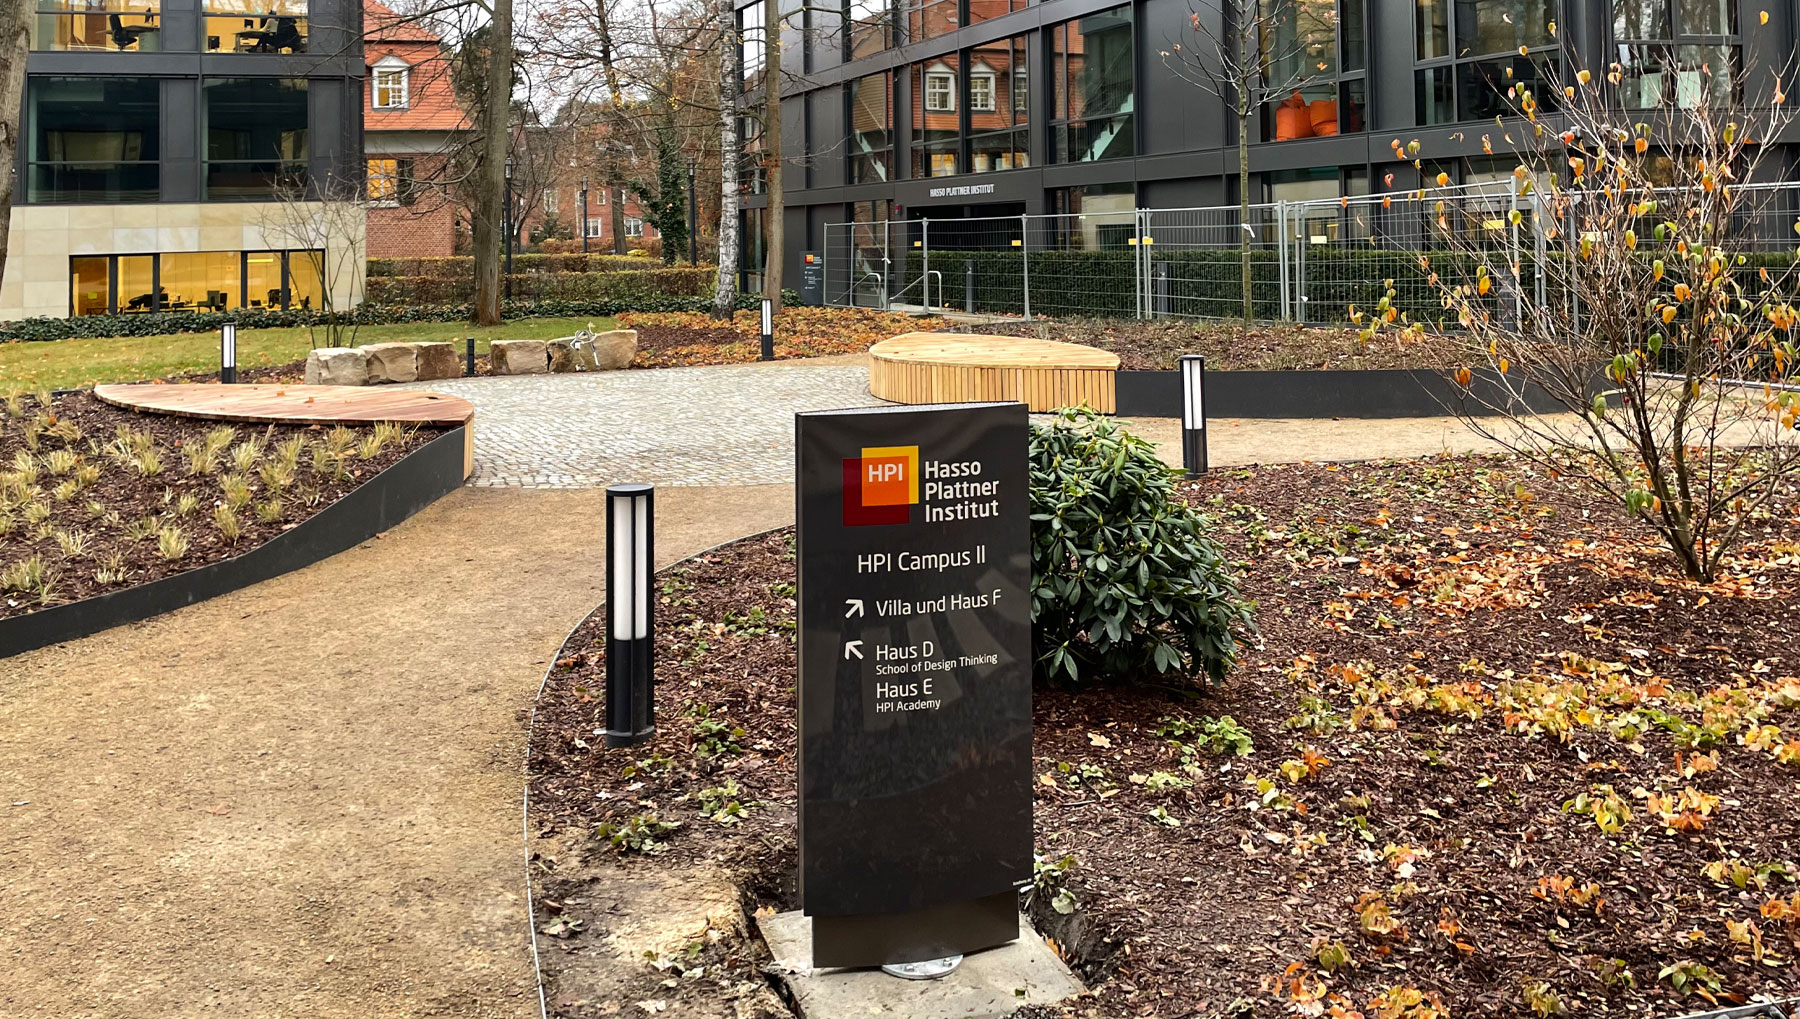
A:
x: 723, y: 425
x: 302, y: 799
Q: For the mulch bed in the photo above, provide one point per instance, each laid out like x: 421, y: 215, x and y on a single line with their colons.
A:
x: 87, y: 490
x: 1461, y: 666
x: 1157, y: 345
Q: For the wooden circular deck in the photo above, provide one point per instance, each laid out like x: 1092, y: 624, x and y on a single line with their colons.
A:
x: 299, y: 405
x: 958, y: 367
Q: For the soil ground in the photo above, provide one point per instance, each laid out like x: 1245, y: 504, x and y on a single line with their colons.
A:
x: 1495, y: 760
x: 302, y: 799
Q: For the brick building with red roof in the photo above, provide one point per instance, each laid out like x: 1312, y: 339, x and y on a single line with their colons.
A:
x: 412, y: 123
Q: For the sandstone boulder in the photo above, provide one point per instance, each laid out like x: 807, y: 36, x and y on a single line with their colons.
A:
x: 518, y: 357
x: 337, y: 366
x: 393, y: 362
x: 615, y: 349
x: 437, y: 361
x: 562, y: 355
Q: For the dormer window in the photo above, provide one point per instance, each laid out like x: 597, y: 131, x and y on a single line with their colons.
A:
x: 388, y: 84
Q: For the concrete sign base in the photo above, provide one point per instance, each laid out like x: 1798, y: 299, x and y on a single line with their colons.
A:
x: 988, y: 985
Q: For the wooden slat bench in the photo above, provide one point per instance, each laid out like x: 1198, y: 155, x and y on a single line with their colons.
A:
x: 961, y: 367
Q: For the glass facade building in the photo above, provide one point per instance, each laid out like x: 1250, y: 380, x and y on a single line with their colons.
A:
x: 964, y: 109
x: 170, y: 151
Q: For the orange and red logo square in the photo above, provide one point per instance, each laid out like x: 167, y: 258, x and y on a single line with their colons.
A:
x: 881, y: 486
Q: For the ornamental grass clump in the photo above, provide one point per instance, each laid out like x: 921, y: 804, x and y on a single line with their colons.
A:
x: 1125, y: 584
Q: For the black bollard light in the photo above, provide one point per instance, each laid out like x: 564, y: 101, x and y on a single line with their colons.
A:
x: 1193, y: 414
x: 469, y: 347
x: 768, y: 329
x: 228, y: 353
x: 630, y: 561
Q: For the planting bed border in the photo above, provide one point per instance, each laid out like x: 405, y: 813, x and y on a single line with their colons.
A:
x: 414, y: 482
x: 1343, y: 393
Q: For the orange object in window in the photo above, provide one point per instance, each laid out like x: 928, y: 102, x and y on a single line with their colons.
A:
x: 1291, y: 123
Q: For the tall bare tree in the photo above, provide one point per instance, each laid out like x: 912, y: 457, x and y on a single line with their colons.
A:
x: 494, y: 124
x: 1260, y: 49
x: 15, y: 45
x: 725, y: 293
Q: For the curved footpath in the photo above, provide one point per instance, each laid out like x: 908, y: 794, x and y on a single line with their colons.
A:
x: 302, y: 799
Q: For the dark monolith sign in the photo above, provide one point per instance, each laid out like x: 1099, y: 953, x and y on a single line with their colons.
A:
x: 915, y: 680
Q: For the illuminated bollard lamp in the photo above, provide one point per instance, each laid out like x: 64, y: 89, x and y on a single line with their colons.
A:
x: 630, y: 662
x: 768, y: 329
x: 1193, y: 414
x: 228, y: 353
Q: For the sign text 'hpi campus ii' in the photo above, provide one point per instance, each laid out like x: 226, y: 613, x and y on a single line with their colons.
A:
x: 915, y: 680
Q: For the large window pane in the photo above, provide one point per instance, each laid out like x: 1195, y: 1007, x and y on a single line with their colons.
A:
x: 928, y: 19
x: 1482, y: 85
x: 750, y: 51
x: 871, y: 26
x: 256, y: 26
x: 937, y: 142
x: 1706, y: 17
x: 89, y: 281
x: 1433, y: 29
x: 981, y: 10
x: 255, y: 136
x: 137, y: 286
x: 1354, y: 35
x: 1502, y: 26
x: 997, y: 117
x: 93, y: 140
x: 1436, y: 96
x: 871, y: 134
x: 134, y: 26
x: 306, y: 287
x: 262, y: 279
x: 201, y: 280
x: 1683, y: 76
x: 1092, y: 98
x: 1640, y: 19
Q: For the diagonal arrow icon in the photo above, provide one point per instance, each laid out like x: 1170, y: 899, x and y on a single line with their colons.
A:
x: 855, y: 607
x: 852, y: 647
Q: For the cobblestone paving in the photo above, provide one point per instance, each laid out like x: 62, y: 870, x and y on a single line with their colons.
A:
x: 728, y: 425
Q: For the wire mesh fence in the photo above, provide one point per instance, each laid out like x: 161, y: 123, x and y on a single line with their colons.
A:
x: 1308, y: 262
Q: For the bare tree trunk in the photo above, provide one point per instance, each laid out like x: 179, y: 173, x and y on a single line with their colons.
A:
x: 773, y: 253
x: 616, y: 96
x: 1244, y: 234
x: 487, y: 213
x: 14, y: 48
x: 725, y: 294
x: 1246, y: 87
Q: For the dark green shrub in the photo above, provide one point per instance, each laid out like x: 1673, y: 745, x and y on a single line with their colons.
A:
x: 1125, y: 584
x: 643, y: 284
x: 463, y: 266
x: 158, y: 323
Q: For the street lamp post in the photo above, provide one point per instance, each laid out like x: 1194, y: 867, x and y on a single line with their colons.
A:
x: 693, y: 219
x: 584, y: 216
x: 507, y: 222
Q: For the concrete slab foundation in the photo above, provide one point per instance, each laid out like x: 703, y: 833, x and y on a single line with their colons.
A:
x: 988, y: 985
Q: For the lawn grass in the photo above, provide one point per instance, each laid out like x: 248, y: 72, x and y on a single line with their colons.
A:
x: 73, y: 364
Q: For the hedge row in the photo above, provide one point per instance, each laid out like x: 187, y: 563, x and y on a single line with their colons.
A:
x: 158, y: 323
x: 1206, y: 282
x: 463, y: 266
x: 641, y: 285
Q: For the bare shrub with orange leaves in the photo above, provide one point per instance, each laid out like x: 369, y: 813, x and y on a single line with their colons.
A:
x: 1625, y: 281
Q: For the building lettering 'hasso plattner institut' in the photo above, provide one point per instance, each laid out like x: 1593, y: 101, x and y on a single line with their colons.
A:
x: 167, y: 151
x: 957, y: 109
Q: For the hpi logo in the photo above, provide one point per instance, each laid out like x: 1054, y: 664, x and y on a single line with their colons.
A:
x: 881, y: 486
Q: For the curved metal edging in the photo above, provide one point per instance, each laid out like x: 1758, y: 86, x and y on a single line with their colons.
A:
x: 414, y: 482
x: 537, y: 965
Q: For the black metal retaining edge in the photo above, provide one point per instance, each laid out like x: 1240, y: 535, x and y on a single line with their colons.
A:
x: 1376, y: 393
x: 419, y: 479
